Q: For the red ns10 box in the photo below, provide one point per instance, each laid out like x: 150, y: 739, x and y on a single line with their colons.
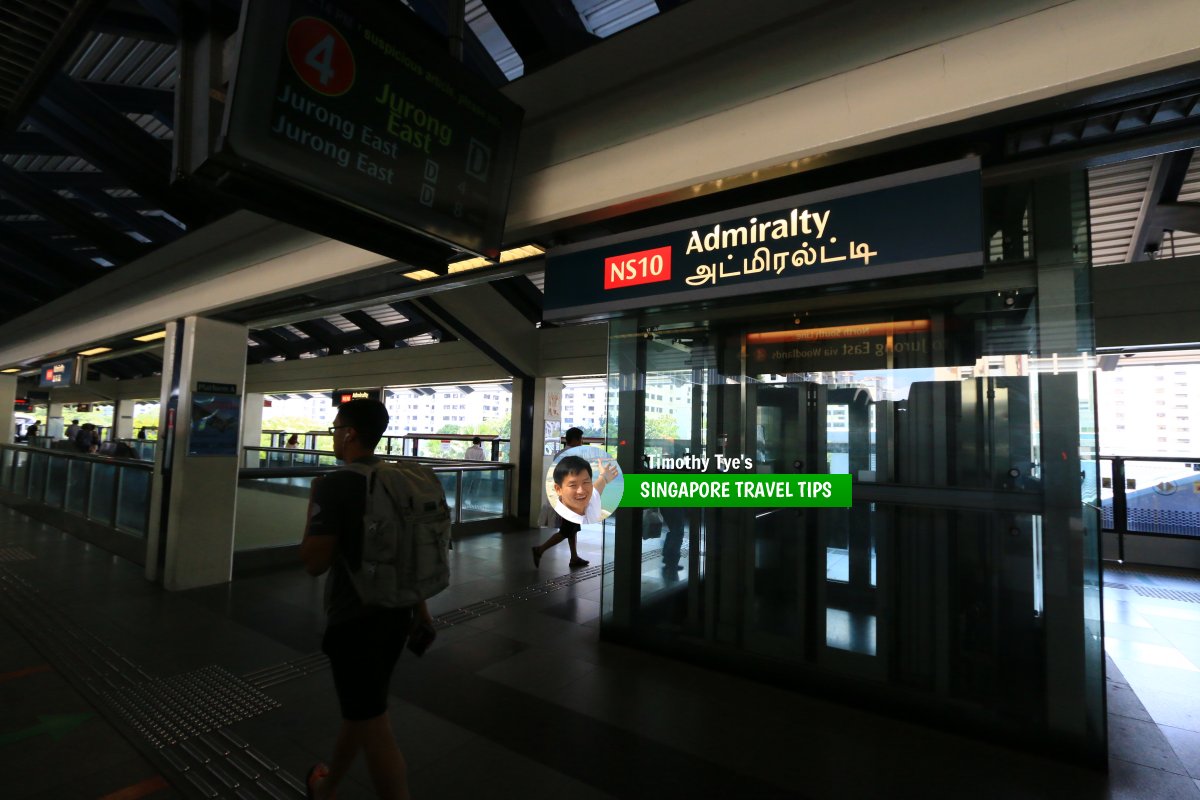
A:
x: 631, y: 269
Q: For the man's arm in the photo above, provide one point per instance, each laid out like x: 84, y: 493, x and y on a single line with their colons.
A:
x: 607, y: 473
x: 316, y: 551
x: 318, y: 546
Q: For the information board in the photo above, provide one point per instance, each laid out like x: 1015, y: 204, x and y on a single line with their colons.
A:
x: 341, y: 396
x: 360, y: 104
x: 924, y: 221
x: 59, y: 374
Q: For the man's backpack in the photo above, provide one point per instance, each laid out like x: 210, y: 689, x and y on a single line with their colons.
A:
x: 406, y: 535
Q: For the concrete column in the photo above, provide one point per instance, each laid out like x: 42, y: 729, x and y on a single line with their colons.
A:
x: 545, y: 430
x: 54, y: 420
x: 122, y: 427
x: 252, y: 414
x: 196, y: 469
x: 8, y: 396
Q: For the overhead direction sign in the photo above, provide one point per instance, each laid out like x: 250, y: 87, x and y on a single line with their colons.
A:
x: 357, y: 105
x: 923, y: 221
x: 341, y: 396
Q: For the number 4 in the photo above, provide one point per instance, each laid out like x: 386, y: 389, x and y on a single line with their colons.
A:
x: 320, y: 58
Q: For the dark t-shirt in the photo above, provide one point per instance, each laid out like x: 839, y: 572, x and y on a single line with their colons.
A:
x: 339, y: 503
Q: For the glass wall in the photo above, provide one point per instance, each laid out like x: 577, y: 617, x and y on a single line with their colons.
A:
x: 963, y: 581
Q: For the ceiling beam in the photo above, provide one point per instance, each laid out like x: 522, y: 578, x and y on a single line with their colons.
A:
x: 74, y: 116
x: 475, y: 55
x: 1179, y: 217
x: 323, y: 332
x: 136, y: 99
x: 374, y: 328
x: 521, y: 294
x: 69, y: 269
x: 133, y: 25
x: 1163, y: 186
x: 156, y: 229
x: 28, y: 276
x: 276, y: 344
x: 541, y: 31
x: 117, y: 246
x: 31, y: 143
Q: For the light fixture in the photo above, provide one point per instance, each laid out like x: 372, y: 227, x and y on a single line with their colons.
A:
x: 468, y: 264
x: 151, y: 337
x: 10, y: 370
x: 95, y: 351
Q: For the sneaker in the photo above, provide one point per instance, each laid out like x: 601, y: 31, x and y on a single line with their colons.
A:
x: 316, y: 773
x: 577, y: 563
x: 537, y: 558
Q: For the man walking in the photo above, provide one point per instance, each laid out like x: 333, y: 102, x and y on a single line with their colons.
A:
x: 363, y: 642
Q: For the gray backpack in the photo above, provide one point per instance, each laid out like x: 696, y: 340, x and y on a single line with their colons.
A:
x: 406, y: 535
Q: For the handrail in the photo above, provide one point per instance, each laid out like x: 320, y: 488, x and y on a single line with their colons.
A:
x: 317, y: 469
x: 433, y: 462
x: 76, y: 455
x: 1120, y: 498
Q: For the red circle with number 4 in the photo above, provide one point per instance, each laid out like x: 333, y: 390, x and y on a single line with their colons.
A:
x: 320, y: 55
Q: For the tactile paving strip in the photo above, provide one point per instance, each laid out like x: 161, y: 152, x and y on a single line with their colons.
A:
x: 1166, y: 594
x: 173, y: 720
x: 10, y: 554
x: 184, y: 706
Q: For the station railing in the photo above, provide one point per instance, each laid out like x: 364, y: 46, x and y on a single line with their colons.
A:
x: 274, y: 485
x: 1150, y: 496
x: 112, y: 493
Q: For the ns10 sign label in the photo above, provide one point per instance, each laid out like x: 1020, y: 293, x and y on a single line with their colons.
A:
x: 633, y: 269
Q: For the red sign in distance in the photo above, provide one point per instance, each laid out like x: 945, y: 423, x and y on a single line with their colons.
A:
x: 632, y: 269
x: 321, y: 56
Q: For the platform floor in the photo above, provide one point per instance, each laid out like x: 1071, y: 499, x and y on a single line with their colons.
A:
x: 98, y: 668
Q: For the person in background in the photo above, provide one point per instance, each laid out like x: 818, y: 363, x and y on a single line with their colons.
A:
x: 71, y: 431
x: 31, y: 433
x: 471, y: 478
x: 87, y: 439
x: 293, y: 441
x: 142, y: 432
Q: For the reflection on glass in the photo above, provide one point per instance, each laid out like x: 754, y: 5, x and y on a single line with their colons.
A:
x: 56, y: 482
x: 271, y: 512
x: 101, y: 498
x: 77, y: 486
x: 37, y: 476
x: 133, y: 500
x: 850, y: 630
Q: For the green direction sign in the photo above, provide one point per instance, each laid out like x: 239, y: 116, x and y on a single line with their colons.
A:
x: 357, y: 103
x: 736, y: 490
x: 55, y: 726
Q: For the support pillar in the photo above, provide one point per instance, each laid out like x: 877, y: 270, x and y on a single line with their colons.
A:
x: 191, y: 541
x: 252, y: 414
x: 1070, y: 554
x: 55, y: 427
x: 527, y: 437
x: 8, y: 396
x: 122, y: 425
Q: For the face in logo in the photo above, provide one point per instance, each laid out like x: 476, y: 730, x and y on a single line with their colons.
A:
x: 584, y: 484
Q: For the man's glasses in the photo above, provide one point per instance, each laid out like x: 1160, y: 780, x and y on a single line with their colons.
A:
x: 333, y: 428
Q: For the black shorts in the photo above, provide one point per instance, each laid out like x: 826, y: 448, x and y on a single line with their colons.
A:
x: 362, y: 654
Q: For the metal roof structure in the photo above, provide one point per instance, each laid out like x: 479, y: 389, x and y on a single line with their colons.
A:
x: 87, y: 90
x: 88, y: 96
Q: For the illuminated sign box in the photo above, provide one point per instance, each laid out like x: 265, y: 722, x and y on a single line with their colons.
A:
x: 341, y: 396
x: 360, y: 113
x: 923, y: 221
x: 59, y: 374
